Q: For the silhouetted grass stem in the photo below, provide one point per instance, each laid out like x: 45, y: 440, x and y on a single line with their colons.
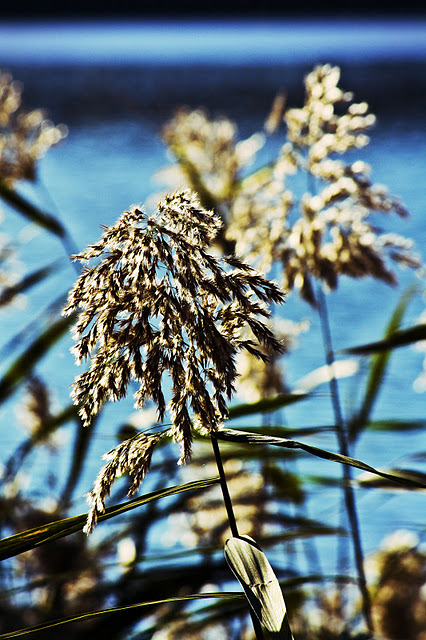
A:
x: 231, y: 517
x: 344, y: 450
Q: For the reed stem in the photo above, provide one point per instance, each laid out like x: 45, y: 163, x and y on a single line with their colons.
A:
x: 342, y: 438
x: 231, y: 518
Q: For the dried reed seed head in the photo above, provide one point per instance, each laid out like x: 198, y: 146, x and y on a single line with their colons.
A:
x: 397, y: 575
x: 35, y: 411
x: 157, y: 302
x: 132, y: 456
x: 207, y: 147
x: 258, y: 379
x: 333, y: 235
x: 24, y: 136
x: 259, y: 214
x: 328, y: 122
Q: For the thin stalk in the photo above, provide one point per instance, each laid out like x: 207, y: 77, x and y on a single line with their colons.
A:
x: 231, y: 518
x: 342, y: 438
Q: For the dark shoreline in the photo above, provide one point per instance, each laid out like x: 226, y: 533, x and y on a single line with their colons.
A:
x: 74, y: 93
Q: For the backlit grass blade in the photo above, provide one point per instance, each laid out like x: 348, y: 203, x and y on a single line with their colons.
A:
x: 9, y: 292
x: 367, y: 481
x: 377, y: 369
x: 31, y: 212
x: 234, y: 435
x: 82, y: 441
x: 139, y: 605
x: 252, y: 569
x: 399, y: 338
x: 17, y: 458
x: 32, y: 538
x: 265, y: 404
x: 24, y: 364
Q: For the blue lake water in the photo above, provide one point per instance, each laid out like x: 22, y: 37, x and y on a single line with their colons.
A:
x: 115, y: 85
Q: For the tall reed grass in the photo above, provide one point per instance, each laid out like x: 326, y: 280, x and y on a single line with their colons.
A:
x: 175, y: 308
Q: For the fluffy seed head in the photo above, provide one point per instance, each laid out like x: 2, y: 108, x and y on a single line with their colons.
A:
x: 157, y: 303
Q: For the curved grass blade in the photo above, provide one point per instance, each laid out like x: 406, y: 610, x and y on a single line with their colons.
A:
x: 33, y: 327
x: 367, y: 481
x: 251, y: 438
x: 31, y: 212
x: 378, y: 364
x: 397, y: 425
x: 397, y: 339
x: 266, y: 404
x: 9, y: 292
x: 82, y: 440
x: 253, y: 571
x: 32, y: 538
x: 18, y: 457
x: 310, y: 529
x: 24, y: 364
x: 280, y: 430
x: 92, y: 614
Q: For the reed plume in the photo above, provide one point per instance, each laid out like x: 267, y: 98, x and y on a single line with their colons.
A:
x: 335, y: 233
x: 25, y: 136
x: 158, y: 302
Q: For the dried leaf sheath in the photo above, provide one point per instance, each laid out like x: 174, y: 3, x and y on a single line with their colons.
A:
x: 157, y: 302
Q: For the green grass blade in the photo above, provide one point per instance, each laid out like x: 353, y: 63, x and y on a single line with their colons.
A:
x: 139, y: 605
x: 378, y: 365
x: 397, y: 425
x: 366, y: 481
x: 32, y: 538
x: 82, y: 441
x: 9, y: 292
x: 250, y: 438
x: 24, y: 364
x: 17, y: 458
x: 265, y: 404
x: 31, y: 212
x: 397, y: 339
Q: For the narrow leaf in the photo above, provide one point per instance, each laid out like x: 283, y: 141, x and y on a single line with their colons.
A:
x: 92, y: 614
x: 17, y: 458
x: 9, y: 292
x: 397, y: 339
x: 397, y: 425
x: 29, y: 211
x: 24, y: 364
x: 252, y: 569
x: 250, y: 438
x: 32, y: 538
x: 266, y: 404
x: 378, y: 365
x: 369, y: 482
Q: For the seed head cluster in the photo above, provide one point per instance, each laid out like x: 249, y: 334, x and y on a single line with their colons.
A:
x: 132, y: 456
x: 157, y: 303
x: 24, y: 136
x: 335, y: 233
x: 209, y: 154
